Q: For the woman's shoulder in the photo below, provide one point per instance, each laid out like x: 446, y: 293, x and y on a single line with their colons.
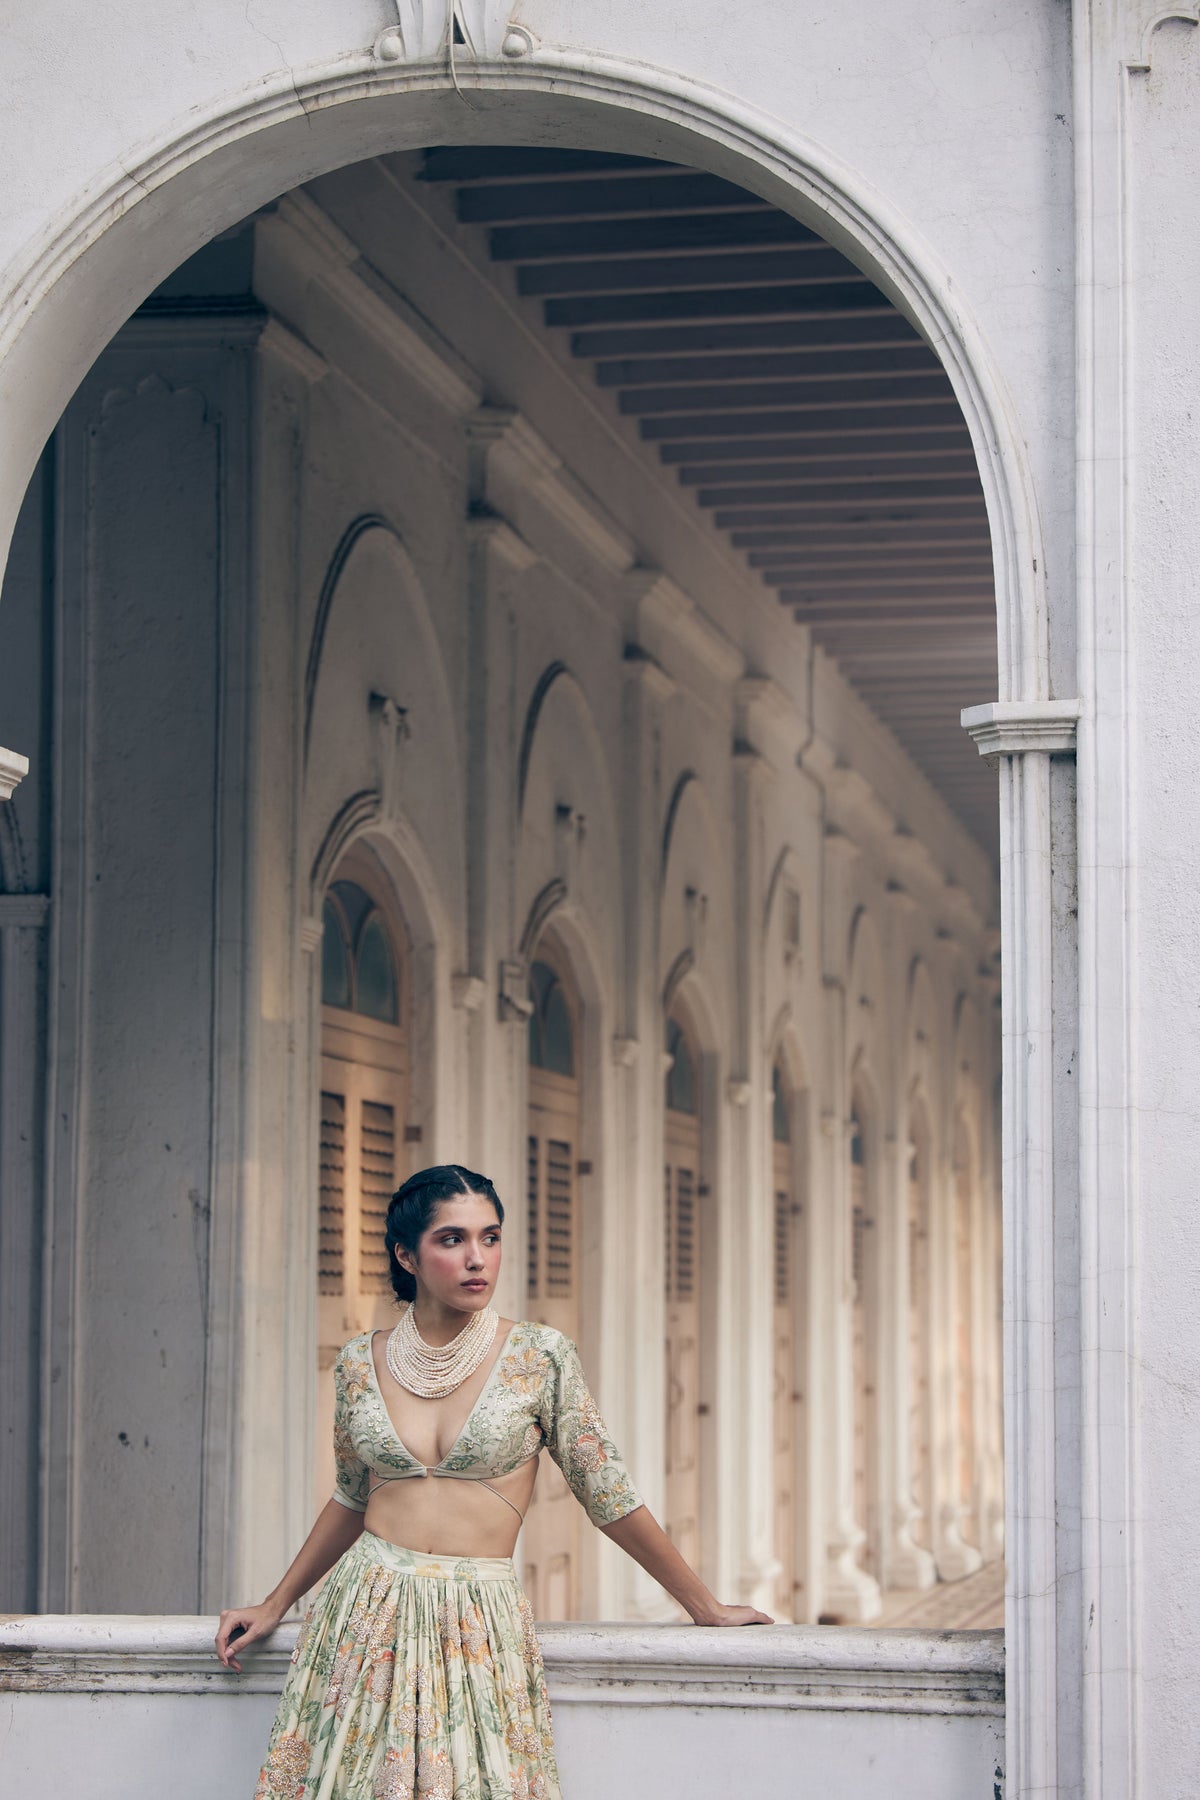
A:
x: 528, y: 1334
x: 354, y: 1351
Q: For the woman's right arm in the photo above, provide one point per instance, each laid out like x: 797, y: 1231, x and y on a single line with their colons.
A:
x: 337, y: 1527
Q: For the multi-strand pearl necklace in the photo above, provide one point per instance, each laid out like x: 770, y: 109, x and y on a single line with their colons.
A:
x: 432, y: 1371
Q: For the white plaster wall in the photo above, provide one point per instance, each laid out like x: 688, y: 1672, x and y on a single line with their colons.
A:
x: 931, y: 87
x: 1163, y: 221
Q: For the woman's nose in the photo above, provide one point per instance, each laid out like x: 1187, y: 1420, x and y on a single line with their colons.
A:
x: 474, y: 1257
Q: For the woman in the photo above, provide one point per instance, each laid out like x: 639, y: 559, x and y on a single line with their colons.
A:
x: 417, y: 1671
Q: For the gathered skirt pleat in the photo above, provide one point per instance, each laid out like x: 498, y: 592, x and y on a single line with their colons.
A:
x: 414, y: 1678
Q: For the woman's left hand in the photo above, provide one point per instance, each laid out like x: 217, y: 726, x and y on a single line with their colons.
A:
x: 730, y: 1615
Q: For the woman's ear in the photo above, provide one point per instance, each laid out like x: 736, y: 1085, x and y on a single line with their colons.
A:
x: 406, y: 1259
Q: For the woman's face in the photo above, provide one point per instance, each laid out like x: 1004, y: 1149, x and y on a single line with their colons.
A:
x: 458, y: 1256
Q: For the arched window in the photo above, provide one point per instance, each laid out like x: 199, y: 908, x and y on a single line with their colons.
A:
x: 364, y: 1111
x: 681, y: 1071
x: 551, y: 1038
x: 781, y: 1115
x: 358, y: 965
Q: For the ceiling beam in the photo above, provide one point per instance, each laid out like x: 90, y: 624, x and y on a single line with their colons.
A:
x: 564, y: 239
x: 869, y: 388
x: 834, y: 297
x: 817, y: 364
x: 862, y: 326
x: 808, y: 264
x: 567, y: 198
x: 885, y: 490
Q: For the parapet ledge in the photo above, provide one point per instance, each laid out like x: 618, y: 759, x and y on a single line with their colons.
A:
x: 780, y: 1666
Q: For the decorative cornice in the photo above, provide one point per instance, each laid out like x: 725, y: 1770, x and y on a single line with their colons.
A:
x: 290, y: 348
x: 13, y: 770
x: 496, y: 536
x: 311, y: 933
x: 662, y: 602
x: 1012, y: 727
x: 196, y: 325
x: 649, y: 671
x: 625, y: 1051
x: 754, y: 769
x: 508, y: 444
x: 737, y: 1092
x: 769, y: 719
x: 333, y: 261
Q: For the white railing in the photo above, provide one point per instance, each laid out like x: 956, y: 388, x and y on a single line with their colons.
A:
x: 137, y: 1708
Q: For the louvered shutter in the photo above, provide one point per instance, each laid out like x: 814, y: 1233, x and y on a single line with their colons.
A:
x: 560, y: 1222
x: 377, y: 1175
x: 783, y: 1243
x: 533, y: 1195
x: 331, y: 1242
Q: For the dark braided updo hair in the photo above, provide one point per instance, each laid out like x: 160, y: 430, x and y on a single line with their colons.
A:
x: 413, y: 1207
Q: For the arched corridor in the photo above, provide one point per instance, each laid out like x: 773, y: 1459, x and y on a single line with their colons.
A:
x: 586, y: 564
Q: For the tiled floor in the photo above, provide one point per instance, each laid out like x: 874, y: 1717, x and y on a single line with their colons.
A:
x: 976, y: 1603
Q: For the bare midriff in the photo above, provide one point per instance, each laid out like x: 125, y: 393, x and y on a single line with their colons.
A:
x: 445, y: 1515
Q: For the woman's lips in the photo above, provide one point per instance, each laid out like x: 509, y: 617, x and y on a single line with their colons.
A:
x: 475, y: 1284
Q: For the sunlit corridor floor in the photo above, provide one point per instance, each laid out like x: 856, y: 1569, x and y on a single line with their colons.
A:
x: 976, y: 1603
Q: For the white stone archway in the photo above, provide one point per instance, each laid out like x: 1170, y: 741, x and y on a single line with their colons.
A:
x: 110, y: 250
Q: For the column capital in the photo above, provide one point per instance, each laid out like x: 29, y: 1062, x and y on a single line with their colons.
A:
x: 1012, y: 727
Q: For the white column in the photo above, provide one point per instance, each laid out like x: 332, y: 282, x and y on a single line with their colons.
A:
x: 848, y: 1592
x: 496, y: 1012
x: 752, y: 1316
x: 1024, y: 734
x: 905, y: 1563
x: 637, y: 1055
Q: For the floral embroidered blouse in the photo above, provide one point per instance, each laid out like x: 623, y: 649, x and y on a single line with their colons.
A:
x: 535, y: 1397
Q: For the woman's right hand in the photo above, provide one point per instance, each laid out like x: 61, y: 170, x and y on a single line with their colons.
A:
x: 249, y: 1623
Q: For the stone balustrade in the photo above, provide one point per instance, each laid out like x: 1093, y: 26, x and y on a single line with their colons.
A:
x: 134, y: 1708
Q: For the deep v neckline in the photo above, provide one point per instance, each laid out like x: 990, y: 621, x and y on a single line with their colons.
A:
x: 433, y: 1468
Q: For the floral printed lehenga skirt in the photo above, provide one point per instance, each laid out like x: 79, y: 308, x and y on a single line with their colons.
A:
x: 414, y: 1678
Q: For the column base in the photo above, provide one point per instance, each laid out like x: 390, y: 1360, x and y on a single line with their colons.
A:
x: 955, y: 1557
x: 851, y: 1596
x: 910, y: 1565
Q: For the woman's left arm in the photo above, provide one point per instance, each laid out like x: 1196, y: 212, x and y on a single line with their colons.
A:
x: 641, y: 1536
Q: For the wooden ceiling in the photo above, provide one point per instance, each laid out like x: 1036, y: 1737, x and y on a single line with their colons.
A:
x: 802, y: 410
